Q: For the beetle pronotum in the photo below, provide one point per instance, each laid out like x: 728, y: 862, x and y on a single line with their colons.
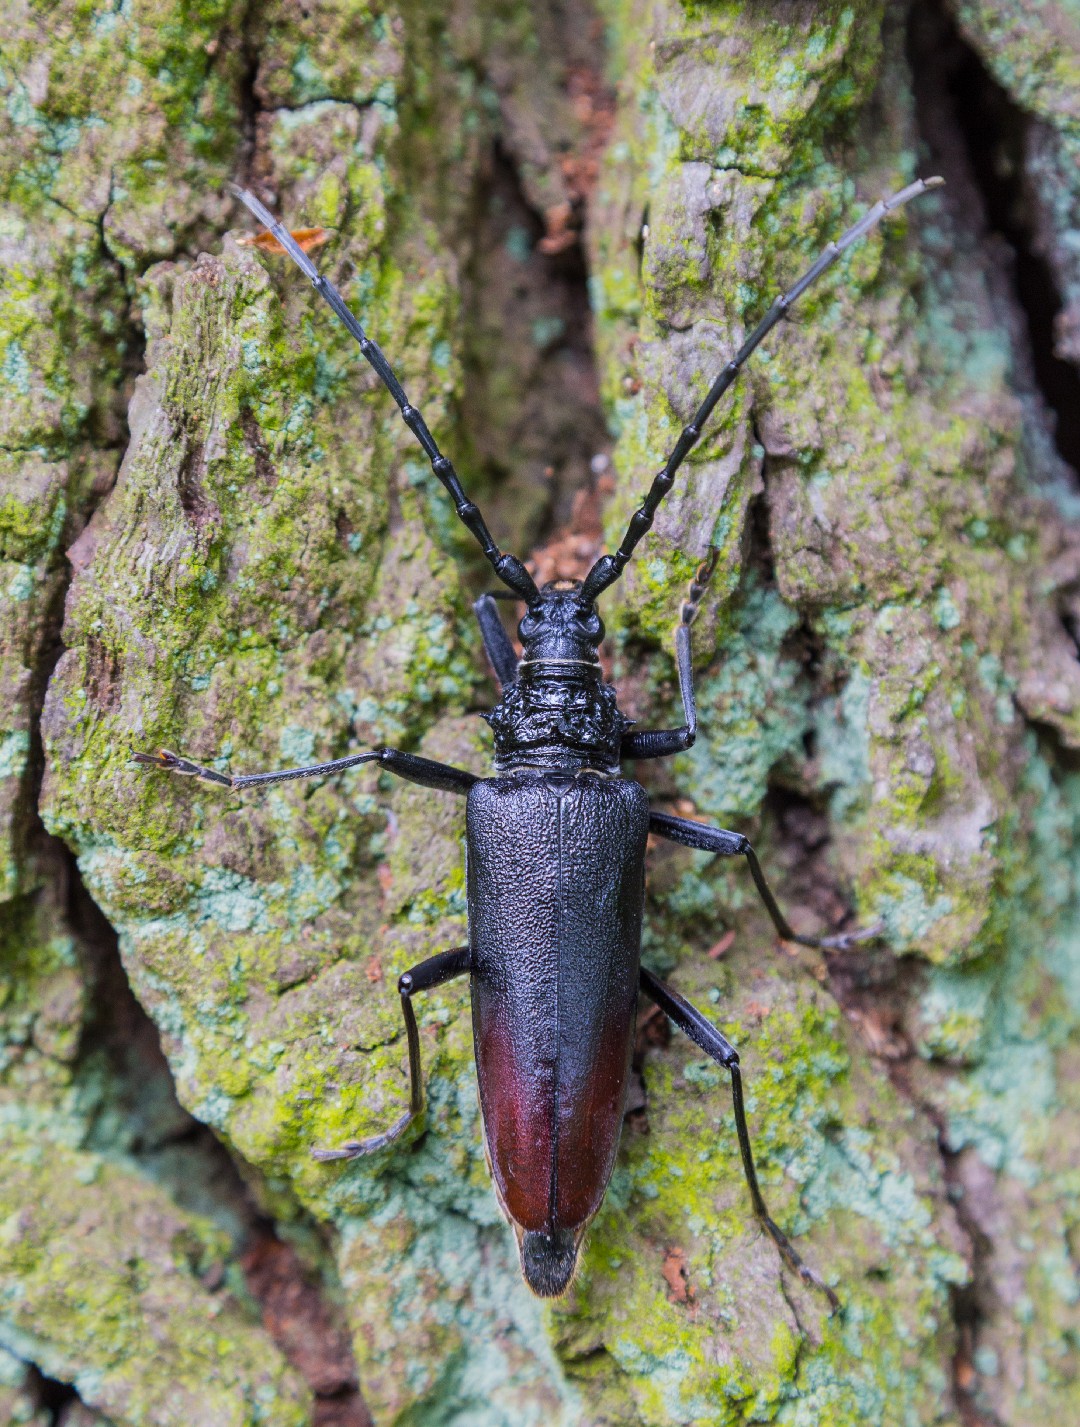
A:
x: 556, y: 860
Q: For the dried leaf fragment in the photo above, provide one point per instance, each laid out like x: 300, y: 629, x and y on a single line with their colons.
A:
x: 307, y: 238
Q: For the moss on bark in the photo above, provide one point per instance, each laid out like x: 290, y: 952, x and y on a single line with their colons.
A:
x: 270, y: 575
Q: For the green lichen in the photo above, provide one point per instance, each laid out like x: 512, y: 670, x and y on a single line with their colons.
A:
x: 95, y: 1257
x: 91, y: 1260
x: 274, y: 578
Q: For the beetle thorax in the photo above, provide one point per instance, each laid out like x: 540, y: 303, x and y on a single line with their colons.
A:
x: 559, y: 713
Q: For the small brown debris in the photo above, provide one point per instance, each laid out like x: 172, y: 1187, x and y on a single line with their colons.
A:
x: 721, y: 947
x: 570, y: 553
x: 676, y: 1276
x: 686, y: 809
x: 882, y: 1036
x: 560, y: 235
x: 373, y: 970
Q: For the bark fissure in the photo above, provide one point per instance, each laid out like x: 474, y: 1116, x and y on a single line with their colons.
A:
x: 994, y: 133
x: 543, y: 434
x: 286, y: 931
x: 172, y: 1147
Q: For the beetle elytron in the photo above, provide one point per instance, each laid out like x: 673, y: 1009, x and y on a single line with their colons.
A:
x: 556, y: 862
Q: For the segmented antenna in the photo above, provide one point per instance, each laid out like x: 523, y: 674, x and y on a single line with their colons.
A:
x: 609, y: 567
x: 508, y: 567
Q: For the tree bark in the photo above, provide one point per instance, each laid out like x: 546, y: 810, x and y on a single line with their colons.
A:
x: 217, y: 536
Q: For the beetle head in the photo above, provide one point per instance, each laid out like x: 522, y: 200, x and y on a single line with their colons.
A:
x: 559, y: 705
x: 560, y: 628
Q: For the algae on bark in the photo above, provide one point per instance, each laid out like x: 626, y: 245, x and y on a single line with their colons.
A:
x: 275, y: 577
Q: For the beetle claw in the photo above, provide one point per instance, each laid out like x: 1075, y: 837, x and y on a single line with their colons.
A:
x: 813, y: 1280
x: 351, y: 1149
x: 168, y: 762
x: 844, y: 941
x: 161, y: 759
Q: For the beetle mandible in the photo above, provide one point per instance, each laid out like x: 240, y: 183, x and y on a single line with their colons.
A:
x: 555, y: 844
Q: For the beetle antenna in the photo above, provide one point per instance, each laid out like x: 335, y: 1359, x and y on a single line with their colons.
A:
x: 508, y: 567
x: 609, y: 567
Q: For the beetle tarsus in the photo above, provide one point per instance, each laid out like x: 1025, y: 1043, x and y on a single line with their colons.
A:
x: 172, y: 763
x: 424, y: 771
x: 355, y: 1149
x: 797, y: 1264
x: 844, y: 941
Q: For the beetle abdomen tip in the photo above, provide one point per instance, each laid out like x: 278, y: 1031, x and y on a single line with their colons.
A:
x: 548, y: 1261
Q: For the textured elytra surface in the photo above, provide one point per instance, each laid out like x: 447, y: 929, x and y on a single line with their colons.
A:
x: 888, y: 697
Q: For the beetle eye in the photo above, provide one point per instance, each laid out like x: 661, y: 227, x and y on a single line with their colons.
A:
x: 588, y: 621
x: 528, y: 626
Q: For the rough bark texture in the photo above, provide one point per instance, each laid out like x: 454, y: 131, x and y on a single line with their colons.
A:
x: 216, y: 535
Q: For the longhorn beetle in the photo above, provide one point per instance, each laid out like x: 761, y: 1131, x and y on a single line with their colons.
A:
x: 555, y: 846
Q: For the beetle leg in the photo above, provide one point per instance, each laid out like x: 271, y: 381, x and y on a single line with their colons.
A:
x: 733, y: 844
x: 500, y: 651
x: 424, y: 771
x: 715, y: 1045
x: 432, y: 972
x: 663, y: 742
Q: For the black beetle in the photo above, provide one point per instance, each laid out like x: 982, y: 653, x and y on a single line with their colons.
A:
x: 556, y: 862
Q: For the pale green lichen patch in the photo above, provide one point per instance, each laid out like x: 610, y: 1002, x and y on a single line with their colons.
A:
x: 42, y: 1000
x: 750, y: 696
x: 272, y: 579
x: 95, y: 1258
x: 952, y: 1015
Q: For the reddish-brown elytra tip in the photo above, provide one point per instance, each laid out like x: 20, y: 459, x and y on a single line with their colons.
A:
x: 306, y: 238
